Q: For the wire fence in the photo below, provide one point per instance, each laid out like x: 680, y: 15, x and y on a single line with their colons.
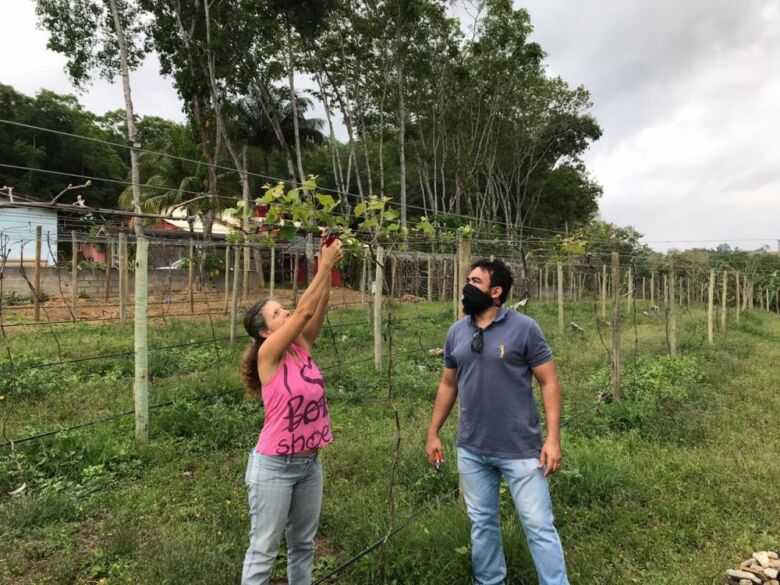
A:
x: 195, y: 290
x: 75, y: 269
x: 88, y: 278
x: 407, y: 276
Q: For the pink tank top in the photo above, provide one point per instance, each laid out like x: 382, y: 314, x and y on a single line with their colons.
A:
x: 296, y: 411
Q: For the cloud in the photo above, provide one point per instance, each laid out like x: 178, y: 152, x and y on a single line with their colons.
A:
x: 33, y: 67
x: 687, y: 96
x: 686, y: 92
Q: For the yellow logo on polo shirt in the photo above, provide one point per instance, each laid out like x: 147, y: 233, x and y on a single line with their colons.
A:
x: 501, y: 351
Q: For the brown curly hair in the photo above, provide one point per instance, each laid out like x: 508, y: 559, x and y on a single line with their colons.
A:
x: 255, y: 324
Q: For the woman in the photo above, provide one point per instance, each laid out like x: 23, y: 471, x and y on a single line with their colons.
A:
x: 284, y: 474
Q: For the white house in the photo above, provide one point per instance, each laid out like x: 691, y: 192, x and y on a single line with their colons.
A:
x: 17, y: 231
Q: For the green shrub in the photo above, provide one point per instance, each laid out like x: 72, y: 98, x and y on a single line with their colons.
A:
x: 29, y: 379
x: 34, y: 511
x: 79, y: 462
x: 655, y: 384
x: 596, y: 470
x: 14, y: 299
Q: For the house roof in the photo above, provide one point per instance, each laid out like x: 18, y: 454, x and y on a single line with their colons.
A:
x: 222, y: 225
x: 6, y: 193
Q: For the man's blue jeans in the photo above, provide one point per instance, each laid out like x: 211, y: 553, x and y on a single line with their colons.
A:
x: 480, y: 478
x: 285, y: 497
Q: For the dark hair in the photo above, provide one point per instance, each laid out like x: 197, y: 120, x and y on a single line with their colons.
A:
x: 255, y: 324
x: 500, y: 275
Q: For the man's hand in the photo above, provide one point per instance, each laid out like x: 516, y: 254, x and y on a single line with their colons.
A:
x: 432, y: 445
x: 551, y: 457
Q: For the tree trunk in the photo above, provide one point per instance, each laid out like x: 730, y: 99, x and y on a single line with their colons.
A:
x: 402, y: 141
x: 245, y: 226
x: 141, y: 384
x: 294, y: 104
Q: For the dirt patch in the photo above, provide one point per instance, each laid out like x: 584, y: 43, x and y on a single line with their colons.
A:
x: 202, y: 307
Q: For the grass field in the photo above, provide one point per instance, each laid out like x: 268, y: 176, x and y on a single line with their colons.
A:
x: 674, y: 485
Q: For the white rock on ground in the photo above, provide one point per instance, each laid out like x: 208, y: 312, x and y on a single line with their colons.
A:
x: 743, y: 575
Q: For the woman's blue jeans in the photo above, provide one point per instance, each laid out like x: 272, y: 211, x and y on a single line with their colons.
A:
x: 285, y: 497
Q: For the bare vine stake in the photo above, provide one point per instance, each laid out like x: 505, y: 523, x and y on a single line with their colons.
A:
x: 126, y: 269
x: 711, y: 308
x: 378, y: 283
x: 227, y: 278
x: 652, y: 288
x: 616, y: 384
x: 632, y: 310
x: 234, y: 298
x: 109, y: 258
x: 540, y: 283
x: 666, y: 290
x: 396, y: 444
x: 217, y: 370
x: 247, y: 266
x: 259, y: 268
x: 190, y: 273
x: 141, y: 385
x: 546, y: 282
x: 737, y: 291
x: 363, y: 278
x: 74, y: 275
x: 464, y: 262
x: 272, y: 284
x: 672, y: 313
x: 393, y: 276
x: 630, y: 297
x: 455, y: 286
x: 443, y: 281
x: 13, y: 382
x: 123, y: 278
x: 37, y: 273
x: 430, y: 278
x: 603, y: 292
x: 368, y: 300
x: 296, y: 260
x: 59, y: 278
x: 560, y: 296
x: 167, y: 294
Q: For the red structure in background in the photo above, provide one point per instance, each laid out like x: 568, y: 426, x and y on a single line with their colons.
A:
x: 90, y: 252
x: 335, y: 275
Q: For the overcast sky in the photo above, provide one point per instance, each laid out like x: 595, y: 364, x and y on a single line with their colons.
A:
x: 687, y: 93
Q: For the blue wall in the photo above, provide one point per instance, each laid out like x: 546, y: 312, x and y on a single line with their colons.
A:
x: 17, y: 233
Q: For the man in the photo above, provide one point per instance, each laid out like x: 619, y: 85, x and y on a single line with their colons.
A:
x: 489, y: 357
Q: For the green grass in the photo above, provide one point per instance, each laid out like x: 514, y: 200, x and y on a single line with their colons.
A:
x: 674, y: 485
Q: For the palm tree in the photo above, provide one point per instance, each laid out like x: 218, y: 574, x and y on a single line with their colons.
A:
x: 169, y: 178
x: 267, y: 115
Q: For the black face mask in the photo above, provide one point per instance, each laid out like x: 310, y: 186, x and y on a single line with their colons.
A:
x: 475, y: 301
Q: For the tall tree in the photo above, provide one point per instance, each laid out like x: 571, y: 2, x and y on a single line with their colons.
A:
x: 109, y: 38
x: 37, y: 149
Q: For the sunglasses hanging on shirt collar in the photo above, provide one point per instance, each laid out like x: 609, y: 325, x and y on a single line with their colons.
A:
x: 477, y: 342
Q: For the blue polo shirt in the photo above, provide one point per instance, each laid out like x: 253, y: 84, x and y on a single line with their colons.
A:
x: 498, y: 415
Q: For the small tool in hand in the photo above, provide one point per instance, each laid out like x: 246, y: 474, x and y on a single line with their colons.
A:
x: 438, y: 459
